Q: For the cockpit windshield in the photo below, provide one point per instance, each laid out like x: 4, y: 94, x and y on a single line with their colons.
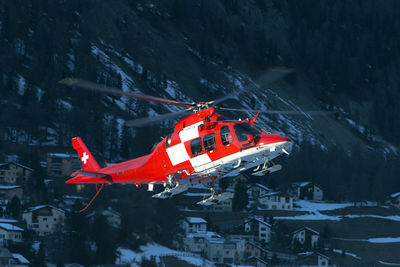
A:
x: 242, y: 130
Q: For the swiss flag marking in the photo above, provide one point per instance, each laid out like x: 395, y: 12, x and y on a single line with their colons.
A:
x: 84, y: 158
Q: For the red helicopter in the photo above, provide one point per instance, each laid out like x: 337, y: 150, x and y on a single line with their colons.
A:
x: 203, y: 148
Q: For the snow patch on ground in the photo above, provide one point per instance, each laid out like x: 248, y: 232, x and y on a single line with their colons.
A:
x: 339, y: 251
x: 392, y: 218
x: 310, y: 206
x: 71, y: 61
x: 127, y: 256
x: 384, y: 240
x: 314, y: 208
x: 389, y: 263
x: 21, y: 85
x: 65, y: 104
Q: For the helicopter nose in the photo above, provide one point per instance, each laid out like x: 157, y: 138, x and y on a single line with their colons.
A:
x: 273, y: 138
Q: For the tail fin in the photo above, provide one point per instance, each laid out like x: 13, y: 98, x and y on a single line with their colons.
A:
x: 88, y: 161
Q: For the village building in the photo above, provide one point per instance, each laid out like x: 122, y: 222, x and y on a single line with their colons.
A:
x: 307, y: 191
x: 254, y: 250
x: 194, y: 225
x: 306, y: 237
x: 221, y: 206
x: 62, y: 164
x: 7, y: 192
x: 256, y: 190
x: 113, y: 217
x: 14, y: 173
x: 394, y: 199
x: 44, y: 219
x: 10, y: 234
x: 8, y: 259
x: 312, y: 259
x: 257, y: 262
x: 276, y: 201
x: 253, y: 230
x: 228, y: 251
x: 196, y: 242
x: 19, y: 260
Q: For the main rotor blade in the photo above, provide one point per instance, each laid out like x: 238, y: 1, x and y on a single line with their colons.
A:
x: 115, y: 91
x: 150, y: 120
x: 272, y: 75
x: 288, y: 112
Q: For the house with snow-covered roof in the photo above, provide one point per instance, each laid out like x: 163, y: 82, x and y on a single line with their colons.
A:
x: 394, y: 199
x: 276, y: 201
x: 44, y: 219
x: 253, y: 230
x: 194, y: 224
x: 256, y: 190
x: 306, y: 191
x: 14, y: 173
x: 228, y: 251
x: 19, y: 260
x: 255, y: 250
x: 196, y: 242
x: 312, y: 259
x: 7, y: 192
x: 257, y: 262
x: 10, y: 233
x: 306, y: 236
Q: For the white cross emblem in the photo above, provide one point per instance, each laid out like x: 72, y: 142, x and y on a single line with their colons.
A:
x: 85, y: 157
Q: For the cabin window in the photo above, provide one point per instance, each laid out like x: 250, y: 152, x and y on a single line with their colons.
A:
x: 226, y: 136
x: 209, y: 142
x: 195, y: 147
x: 242, y: 130
x: 168, y: 142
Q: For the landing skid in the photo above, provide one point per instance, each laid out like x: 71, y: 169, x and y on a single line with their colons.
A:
x: 215, y: 199
x: 170, y: 192
x: 264, y: 169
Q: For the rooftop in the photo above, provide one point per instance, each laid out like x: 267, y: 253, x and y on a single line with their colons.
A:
x: 9, y: 187
x: 30, y: 209
x: 395, y: 194
x: 62, y: 155
x: 20, y: 258
x: 10, y: 227
x: 195, y: 220
x: 306, y: 228
x: 15, y: 163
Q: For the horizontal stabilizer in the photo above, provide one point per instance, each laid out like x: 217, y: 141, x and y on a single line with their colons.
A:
x: 90, y: 178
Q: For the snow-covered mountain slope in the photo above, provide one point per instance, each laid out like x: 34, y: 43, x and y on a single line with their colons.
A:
x: 142, y: 47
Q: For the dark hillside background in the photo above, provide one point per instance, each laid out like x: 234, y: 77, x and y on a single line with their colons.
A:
x: 345, y: 53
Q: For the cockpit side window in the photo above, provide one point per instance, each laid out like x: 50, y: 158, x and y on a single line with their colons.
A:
x: 242, y: 130
x: 226, y: 136
x: 209, y: 142
x: 196, y: 147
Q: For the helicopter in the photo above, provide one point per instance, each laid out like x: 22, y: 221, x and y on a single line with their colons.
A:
x: 203, y: 148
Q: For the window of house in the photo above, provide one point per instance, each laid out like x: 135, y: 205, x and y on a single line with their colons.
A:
x: 44, y: 219
x: 195, y: 147
x: 226, y: 136
x: 209, y: 142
